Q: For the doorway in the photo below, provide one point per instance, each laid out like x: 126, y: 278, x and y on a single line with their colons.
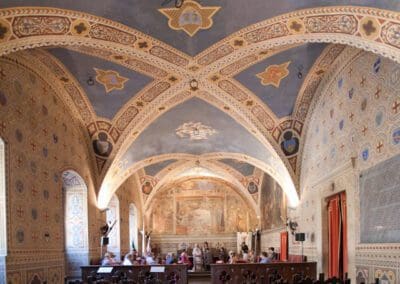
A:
x: 337, y: 235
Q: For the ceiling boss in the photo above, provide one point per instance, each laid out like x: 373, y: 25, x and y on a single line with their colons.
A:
x: 189, y: 16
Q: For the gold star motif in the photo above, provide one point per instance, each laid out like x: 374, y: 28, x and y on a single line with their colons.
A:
x: 111, y: 80
x: 273, y: 74
x: 191, y: 17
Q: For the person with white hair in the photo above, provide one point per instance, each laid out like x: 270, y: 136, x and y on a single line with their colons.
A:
x: 197, y: 258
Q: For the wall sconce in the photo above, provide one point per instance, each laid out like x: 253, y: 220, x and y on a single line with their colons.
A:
x: 194, y: 85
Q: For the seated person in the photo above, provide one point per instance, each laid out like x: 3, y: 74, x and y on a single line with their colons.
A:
x: 169, y: 259
x: 150, y: 259
x: 272, y: 254
x: 264, y: 258
x: 233, y: 258
x: 251, y: 256
x: 184, y: 259
x: 109, y: 259
x: 128, y: 259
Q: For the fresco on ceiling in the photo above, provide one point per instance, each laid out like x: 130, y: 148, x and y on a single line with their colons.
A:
x: 110, y: 79
x: 233, y: 16
x: 154, y: 169
x: 160, y: 137
x: 242, y: 167
x: 102, y: 145
x: 289, y: 143
x: 190, y: 18
x: 277, y: 80
x: 200, y: 207
x: 252, y: 187
x: 195, y: 131
x: 273, y: 205
x: 147, y: 187
x: 274, y: 74
x: 108, y: 86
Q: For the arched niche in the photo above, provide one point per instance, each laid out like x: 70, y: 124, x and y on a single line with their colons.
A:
x: 76, y: 222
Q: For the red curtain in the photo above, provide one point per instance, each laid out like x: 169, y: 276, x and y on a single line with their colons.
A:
x: 337, y: 222
x: 284, y: 246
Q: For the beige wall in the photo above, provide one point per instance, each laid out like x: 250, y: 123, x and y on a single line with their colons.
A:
x: 332, y: 157
x: 42, y: 140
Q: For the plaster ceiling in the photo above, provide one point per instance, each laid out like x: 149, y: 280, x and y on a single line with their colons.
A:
x: 154, y: 169
x: 82, y: 66
x: 226, y: 135
x: 281, y: 99
x: 233, y: 15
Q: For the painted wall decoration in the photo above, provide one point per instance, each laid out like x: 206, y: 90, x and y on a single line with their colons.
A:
x: 190, y: 18
x: 274, y: 74
x: 273, y: 204
x: 111, y: 80
x: 102, y: 145
x: 195, y: 131
x: 199, y: 206
x: 44, y: 140
x: 289, y: 143
x: 147, y: 187
x: 252, y: 187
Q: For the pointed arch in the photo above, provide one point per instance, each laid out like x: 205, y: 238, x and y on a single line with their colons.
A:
x: 133, y: 226
x: 3, y: 212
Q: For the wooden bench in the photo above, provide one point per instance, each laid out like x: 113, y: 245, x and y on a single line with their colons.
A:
x: 261, y: 273
x: 176, y: 274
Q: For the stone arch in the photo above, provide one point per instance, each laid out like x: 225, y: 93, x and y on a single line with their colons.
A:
x: 110, y: 186
x: 75, y: 222
x: 220, y: 174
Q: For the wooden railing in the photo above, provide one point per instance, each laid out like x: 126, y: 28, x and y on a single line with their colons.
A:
x: 279, y: 272
x: 173, y: 274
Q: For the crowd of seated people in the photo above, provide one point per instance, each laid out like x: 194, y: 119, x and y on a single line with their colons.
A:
x: 199, y: 261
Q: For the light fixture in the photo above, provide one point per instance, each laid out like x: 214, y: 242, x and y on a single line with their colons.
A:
x: 178, y: 3
x: 90, y: 81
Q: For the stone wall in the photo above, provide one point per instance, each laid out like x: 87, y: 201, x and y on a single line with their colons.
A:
x: 42, y: 140
x: 354, y: 126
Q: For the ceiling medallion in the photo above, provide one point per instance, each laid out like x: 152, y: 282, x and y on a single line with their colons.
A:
x: 195, y: 131
x: 273, y: 74
x: 111, y: 80
x: 190, y: 17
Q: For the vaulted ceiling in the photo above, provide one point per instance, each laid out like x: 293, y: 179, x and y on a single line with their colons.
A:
x: 219, y: 87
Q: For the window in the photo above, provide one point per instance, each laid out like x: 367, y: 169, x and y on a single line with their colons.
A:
x: 76, y: 223
x: 3, y: 212
x: 113, y: 215
x: 133, y: 230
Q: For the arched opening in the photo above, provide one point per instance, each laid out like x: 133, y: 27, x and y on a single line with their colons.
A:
x: 114, y: 236
x: 133, y: 226
x: 76, y: 223
x: 3, y: 212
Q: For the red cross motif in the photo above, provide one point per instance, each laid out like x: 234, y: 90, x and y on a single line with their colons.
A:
x: 395, y: 107
x: 379, y: 146
x: 46, y: 216
x: 33, y: 146
x: 19, y: 162
x: 2, y: 126
x: 377, y: 93
x: 364, y: 131
x: 34, y: 191
x: 351, y: 116
x: 20, y: 212
x: 35, y: 236
x: 363, y: 79
x: 44, y: 130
